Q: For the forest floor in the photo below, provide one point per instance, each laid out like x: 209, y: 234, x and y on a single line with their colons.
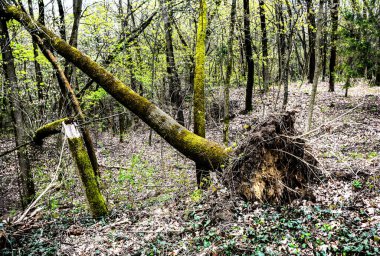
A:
x: 156, y: 208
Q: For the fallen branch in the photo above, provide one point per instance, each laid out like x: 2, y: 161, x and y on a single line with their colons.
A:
x: 332, y: 120
x: 14, y: 149
x: 51, y: 185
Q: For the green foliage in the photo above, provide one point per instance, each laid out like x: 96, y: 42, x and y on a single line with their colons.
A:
x: 357, y: 184
x: 93, y: 98
x: 358, y: 35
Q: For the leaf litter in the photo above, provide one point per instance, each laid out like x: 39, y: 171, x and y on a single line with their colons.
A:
x: 156, y: 208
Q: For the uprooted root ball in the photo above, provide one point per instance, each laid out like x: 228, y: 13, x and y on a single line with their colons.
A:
x: 272, y: 165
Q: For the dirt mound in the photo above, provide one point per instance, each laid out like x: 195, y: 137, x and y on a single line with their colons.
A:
x: 272, y: 165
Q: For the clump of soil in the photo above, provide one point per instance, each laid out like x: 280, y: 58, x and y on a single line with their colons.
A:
x: 273, y: 164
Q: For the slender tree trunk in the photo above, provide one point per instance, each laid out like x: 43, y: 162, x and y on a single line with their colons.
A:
x: 377, y: 75
x: 281, y: 42
x: 317, y: 66
x: 174, y: 82
x: 249, y: 57
x: 228, y: 74
x: 324, y: 44
x: 199, y: 85
x: 37, y: 66
x: 287, y: 61
x: 334, y: 37
x: 26, y: 177
x: 73, y: 41
x: 324, y: 56
x: 62, y: 26
x: 312, y: 35
x: 264, y: 45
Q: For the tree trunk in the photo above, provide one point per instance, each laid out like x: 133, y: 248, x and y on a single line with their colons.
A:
x: 317, y: 66
x: 37, y: 66
x: 311, y: 31
x: 176, y: 98
x: 26, y: 177
x: 249, y: 57
x: 264, y: 45
x: 334, y: 37
x: 73, y: 41
x: 228, y: 75
x: 95, y: 199
x: 195, y: 147
x: 377, y: 76
x: 62, y: 26
x: 287, y: 61
x: 281, y: 42
x: 199, y: 85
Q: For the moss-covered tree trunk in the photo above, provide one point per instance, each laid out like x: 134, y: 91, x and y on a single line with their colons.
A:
x: 95, y: 199
x: 199, y: 85
x: 195, y: 147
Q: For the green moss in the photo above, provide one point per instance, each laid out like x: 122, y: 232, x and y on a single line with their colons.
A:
x: 47, y: 130
x: 95, y: 199
x: 206, y: 153
x: 199, y: 75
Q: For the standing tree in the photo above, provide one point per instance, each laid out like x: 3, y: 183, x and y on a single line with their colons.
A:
x: 37, y: 66
x: 70, y: 71
x: 334, y: 37
x: 228, y: 74
x: 249, y: 57
x: 26, y: 177
x: 317, y: 72
x: 312, y: 38
x: 174, y: 82
x: 199, y: 84
x: 264, y: 45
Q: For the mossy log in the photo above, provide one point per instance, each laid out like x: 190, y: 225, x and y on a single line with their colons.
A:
x: 48, y: 130
x: 95, y: 199
x: 201, y: 150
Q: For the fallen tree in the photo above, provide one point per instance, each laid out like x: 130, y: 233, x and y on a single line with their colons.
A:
x: 272, y: 161
x: 198, y: 149
x: 95, y: 200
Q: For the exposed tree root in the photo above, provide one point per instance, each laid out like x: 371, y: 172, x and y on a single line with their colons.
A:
x: 272, y: 165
